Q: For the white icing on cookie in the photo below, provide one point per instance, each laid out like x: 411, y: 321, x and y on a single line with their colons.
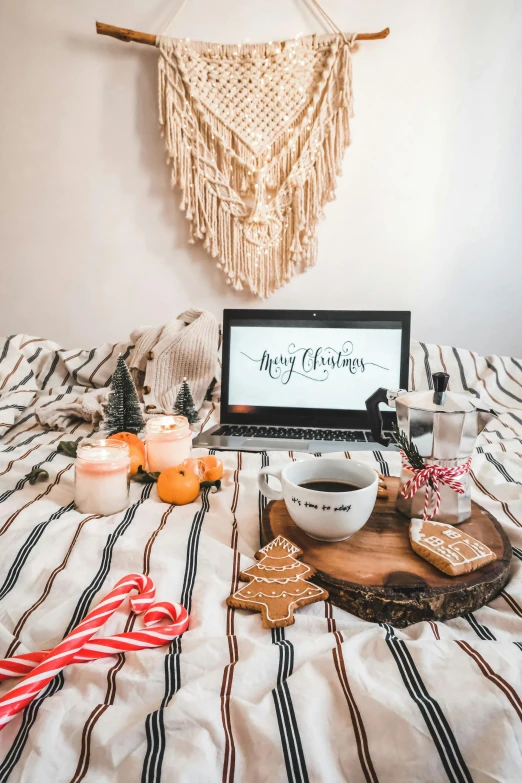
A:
x: 256, y: 577
x: 282, y: 542
x: 278, y: 568
x: 257, y: 598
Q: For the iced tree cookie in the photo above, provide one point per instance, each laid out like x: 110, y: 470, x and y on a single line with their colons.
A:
x: 277, y: 584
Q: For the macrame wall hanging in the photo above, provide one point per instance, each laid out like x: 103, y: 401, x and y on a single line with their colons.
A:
x: 255, y: 135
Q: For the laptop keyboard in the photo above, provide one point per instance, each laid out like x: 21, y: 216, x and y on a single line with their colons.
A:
x: 297, y: 433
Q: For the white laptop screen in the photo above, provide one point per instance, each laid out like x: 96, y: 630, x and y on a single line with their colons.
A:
x: 304, y: 364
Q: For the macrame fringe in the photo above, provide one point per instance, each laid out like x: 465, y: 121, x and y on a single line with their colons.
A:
x: 256, y: 212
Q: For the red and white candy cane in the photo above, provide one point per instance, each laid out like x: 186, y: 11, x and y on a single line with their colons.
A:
x: 22, y: 664
x: 77, y: 646
x: 432, y: 476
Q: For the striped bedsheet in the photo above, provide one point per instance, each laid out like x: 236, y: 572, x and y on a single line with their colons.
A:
x: 332, y: 698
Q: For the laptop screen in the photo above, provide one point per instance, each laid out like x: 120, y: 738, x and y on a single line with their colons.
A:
x: 319, y: 362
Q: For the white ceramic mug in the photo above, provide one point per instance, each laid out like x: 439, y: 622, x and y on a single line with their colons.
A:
x: 326, y: 516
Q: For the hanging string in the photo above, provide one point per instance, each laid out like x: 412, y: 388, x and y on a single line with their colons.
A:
x: 315, y: 3
x: 330, y: 21
x: 178, y: 10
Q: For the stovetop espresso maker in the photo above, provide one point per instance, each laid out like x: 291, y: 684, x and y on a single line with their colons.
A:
x: 444, y: 427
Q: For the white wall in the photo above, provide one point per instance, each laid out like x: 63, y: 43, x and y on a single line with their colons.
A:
x: 428, y: 212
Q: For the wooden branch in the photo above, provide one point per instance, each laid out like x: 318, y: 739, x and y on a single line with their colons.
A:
x: 122, y: 34
x: 373, y: 36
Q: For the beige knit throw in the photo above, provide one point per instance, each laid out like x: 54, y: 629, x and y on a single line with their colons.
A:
x: 255, y: 134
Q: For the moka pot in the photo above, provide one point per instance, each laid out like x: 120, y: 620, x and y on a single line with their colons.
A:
x: 444, y: 427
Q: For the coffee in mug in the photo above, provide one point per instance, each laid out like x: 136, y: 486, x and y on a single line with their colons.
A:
x: 330, y: 499
x: 329, y: 485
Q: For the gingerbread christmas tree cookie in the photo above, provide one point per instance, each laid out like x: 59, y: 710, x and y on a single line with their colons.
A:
x: 448, y: 548
x: 277, y: 584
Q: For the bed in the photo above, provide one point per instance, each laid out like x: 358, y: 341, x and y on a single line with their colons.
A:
x: 331, y: 698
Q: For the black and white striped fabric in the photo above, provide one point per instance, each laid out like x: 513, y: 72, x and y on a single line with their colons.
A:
x: 331, y: 698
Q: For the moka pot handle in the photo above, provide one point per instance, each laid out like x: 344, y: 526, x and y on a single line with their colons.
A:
x: 375, y: 416
x: 387, y: 396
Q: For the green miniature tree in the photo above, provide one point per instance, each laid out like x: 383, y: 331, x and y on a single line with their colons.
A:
x: 123, y: 412
x: 184, y: 405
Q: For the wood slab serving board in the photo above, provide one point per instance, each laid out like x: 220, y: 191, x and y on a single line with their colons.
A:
x: 376, y: 574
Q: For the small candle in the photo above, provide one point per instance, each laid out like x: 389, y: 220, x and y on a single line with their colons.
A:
x: 101, y: 483
x: 168, y: 442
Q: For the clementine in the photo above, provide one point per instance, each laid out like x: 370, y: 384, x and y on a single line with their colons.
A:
x: 194, y: 465
x: 213, y: 468
x: 178, y: 485
x: 130, y: 439
x: 137, y: 458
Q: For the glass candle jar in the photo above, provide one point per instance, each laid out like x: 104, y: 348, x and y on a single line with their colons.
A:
x: 168, y: 442
x: 101, y: 482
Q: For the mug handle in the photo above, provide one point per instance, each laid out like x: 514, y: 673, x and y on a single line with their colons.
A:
x: 273, y: 494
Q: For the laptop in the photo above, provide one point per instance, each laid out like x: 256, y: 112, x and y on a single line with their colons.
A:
x: 298, y: 380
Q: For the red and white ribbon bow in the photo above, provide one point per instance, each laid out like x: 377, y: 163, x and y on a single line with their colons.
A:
x: 430, y: 477
x: 39, y: 668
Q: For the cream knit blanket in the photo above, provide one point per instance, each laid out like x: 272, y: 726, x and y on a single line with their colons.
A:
x: 76, y: 406
x: 161, y: 357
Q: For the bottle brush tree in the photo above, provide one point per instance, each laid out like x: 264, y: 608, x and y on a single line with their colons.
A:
x: 123, y: 412
x: 184, y: 405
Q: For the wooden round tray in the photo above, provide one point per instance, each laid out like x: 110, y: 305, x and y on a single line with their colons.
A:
x: 377, y: 575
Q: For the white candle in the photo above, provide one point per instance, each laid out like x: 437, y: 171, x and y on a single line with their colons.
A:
x: 169, y: 442
x: 102, y: 477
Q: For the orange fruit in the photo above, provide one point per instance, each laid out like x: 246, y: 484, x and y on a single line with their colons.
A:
x: 213, y: 468
x: 195, y: 466
x: 178, y: 485
x: 130, y: 439
x: 137, y: 458
x: 205, y: 468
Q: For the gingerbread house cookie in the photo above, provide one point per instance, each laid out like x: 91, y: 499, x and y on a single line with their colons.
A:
x: 448, y: 548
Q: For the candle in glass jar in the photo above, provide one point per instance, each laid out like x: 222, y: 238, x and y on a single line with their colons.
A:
x: 101, y: 484
x: 169, y: 442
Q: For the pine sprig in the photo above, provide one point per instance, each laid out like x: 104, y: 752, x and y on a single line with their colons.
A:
x: 409, y: 448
